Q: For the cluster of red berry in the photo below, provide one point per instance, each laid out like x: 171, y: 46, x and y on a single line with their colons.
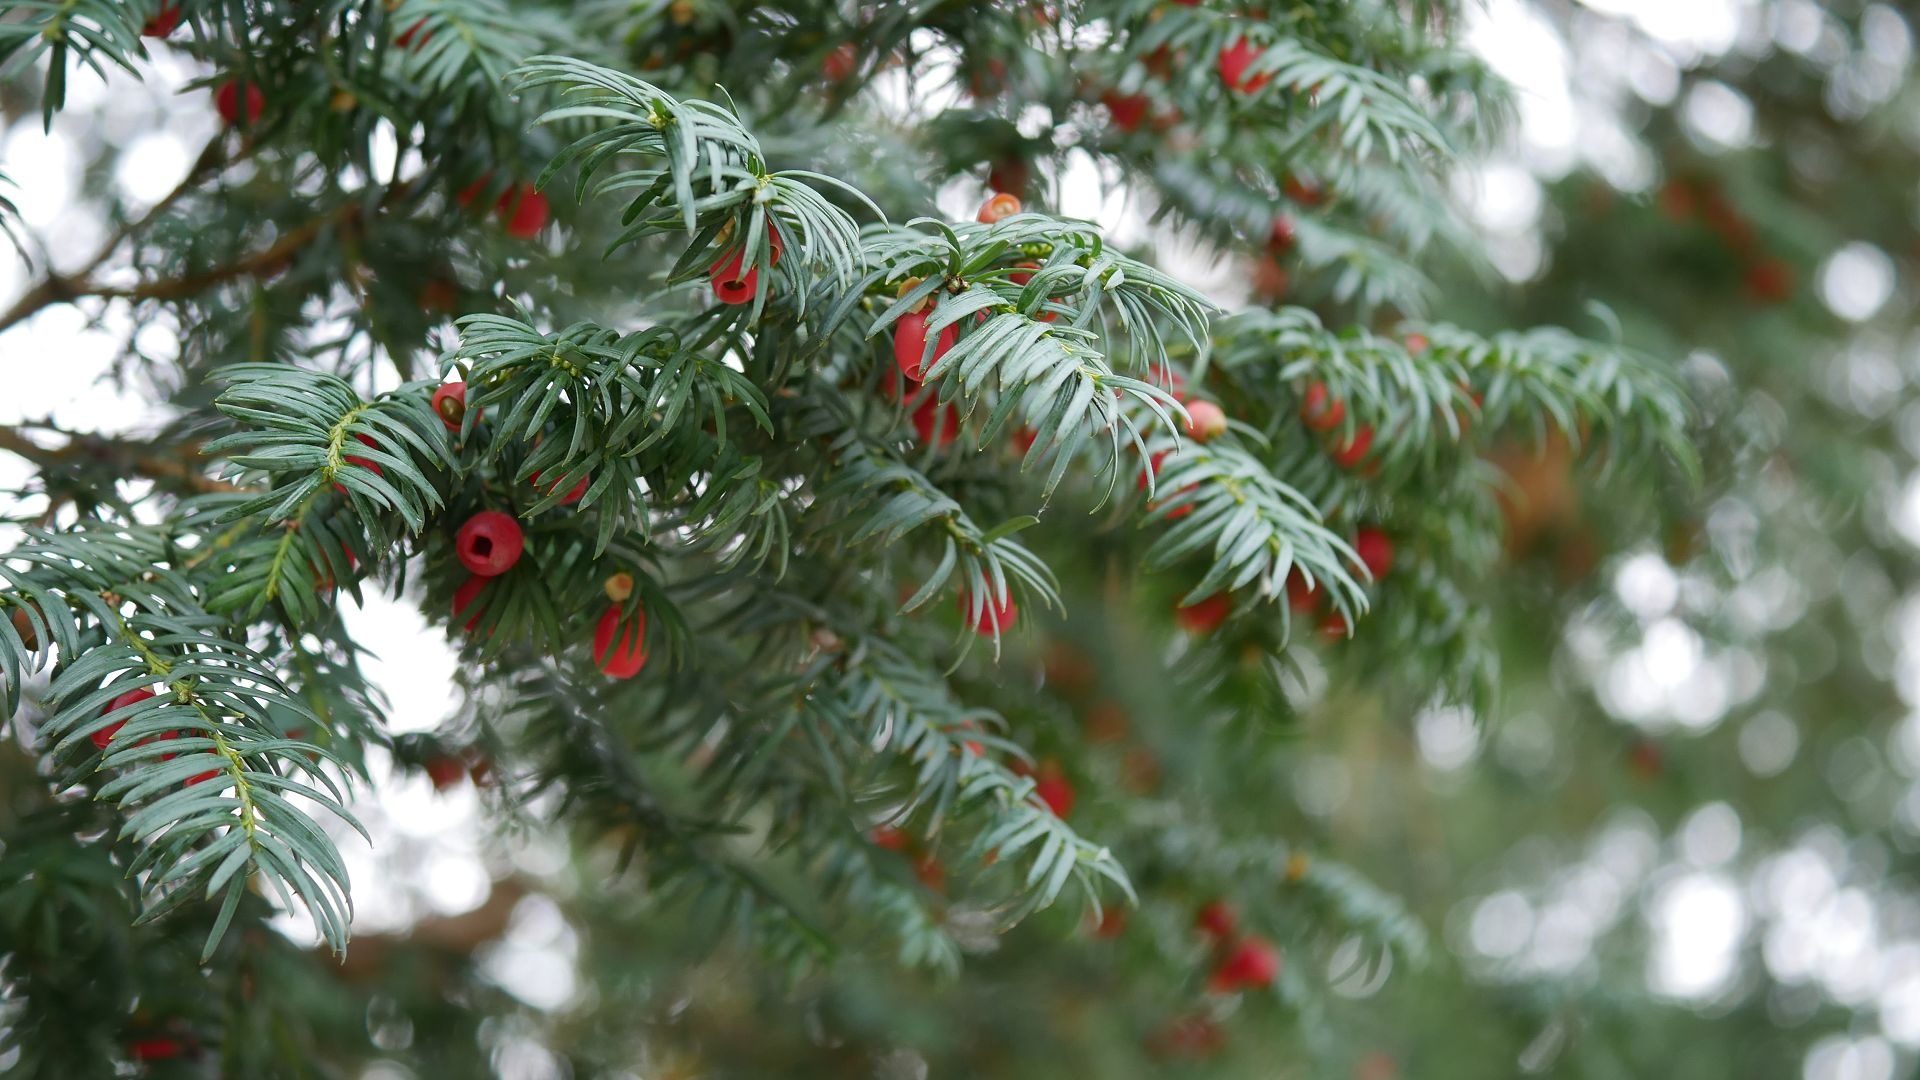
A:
x: 491, y: 542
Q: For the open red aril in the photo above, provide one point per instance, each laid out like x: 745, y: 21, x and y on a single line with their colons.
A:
x: 489, y: 543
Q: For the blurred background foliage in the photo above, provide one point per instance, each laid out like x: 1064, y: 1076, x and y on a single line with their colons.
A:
x: 1658, y: 821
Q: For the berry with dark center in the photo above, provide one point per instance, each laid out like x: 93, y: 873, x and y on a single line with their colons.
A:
x: 1252, y: 965
x: 1205, y: 421
x: 163, y: 22
x: 620, y: 642
x: 450, y: 404
x: 227, y: 101
x: 132, y: 697
x: 736, y: 282
x: 1375, y: 551
x: 1217, y: 920
x: 1320, y: 410
x: 464, y: 597
x: 489, y: 543
x: 989, y: 618
x: 910, y: 343
x: 1355, y: 448
x: 999, y: 205
x: 1234, y: 61
x: 1204, y: 616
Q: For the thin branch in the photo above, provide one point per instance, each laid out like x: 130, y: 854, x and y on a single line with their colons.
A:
x: 139, y: 459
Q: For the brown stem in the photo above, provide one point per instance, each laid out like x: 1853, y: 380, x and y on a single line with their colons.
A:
x: 56, y: 288
x: 137, y: 459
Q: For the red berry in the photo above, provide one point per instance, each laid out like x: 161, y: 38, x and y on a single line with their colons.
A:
x: 620, y: 643
x: 323, y: 577
x: 1153, y: 467
x: 927, y: 868
x: 1113, y: 921
x: 1416, y: 343
x: 1023, y: 272
x: 1320, y: 410
x: 1205, y: 421
x: 1334, y: 627
x: 1375, y: 551
x: 1301, y: 191
x: 155, y: 1049
x: 1252, y: 964
x: 464, y: 596
x: 1281, y: 239
x: 1301, y: 595
x: 163, y: 22
x: 23, y: 626
x: 524, y: 210
x: 910, y: 343
x: 467, y: 195
x: 1010, y: 174
x: 1054, y: 790
x: 933, y: 420
x: 1355, y: 449
x: 735, y: 288
x: 1770, y: 281
x: 415, y: 36
x: 450, y: 404
x: 736, y: 282
x: 1235, y: 59
x: 840, y: 63
x: 989, y: 619
x: 201, y: 778
x: 489, y: 543
x: 572, y: 496
x: 1217, y: 920
x: 998, y: 205
x: 445, y: 771
x: 1128, y: 110
x: 227, y: 101
x: 1204, y: 616
x: 890, y: 838
x: 132, y: 697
